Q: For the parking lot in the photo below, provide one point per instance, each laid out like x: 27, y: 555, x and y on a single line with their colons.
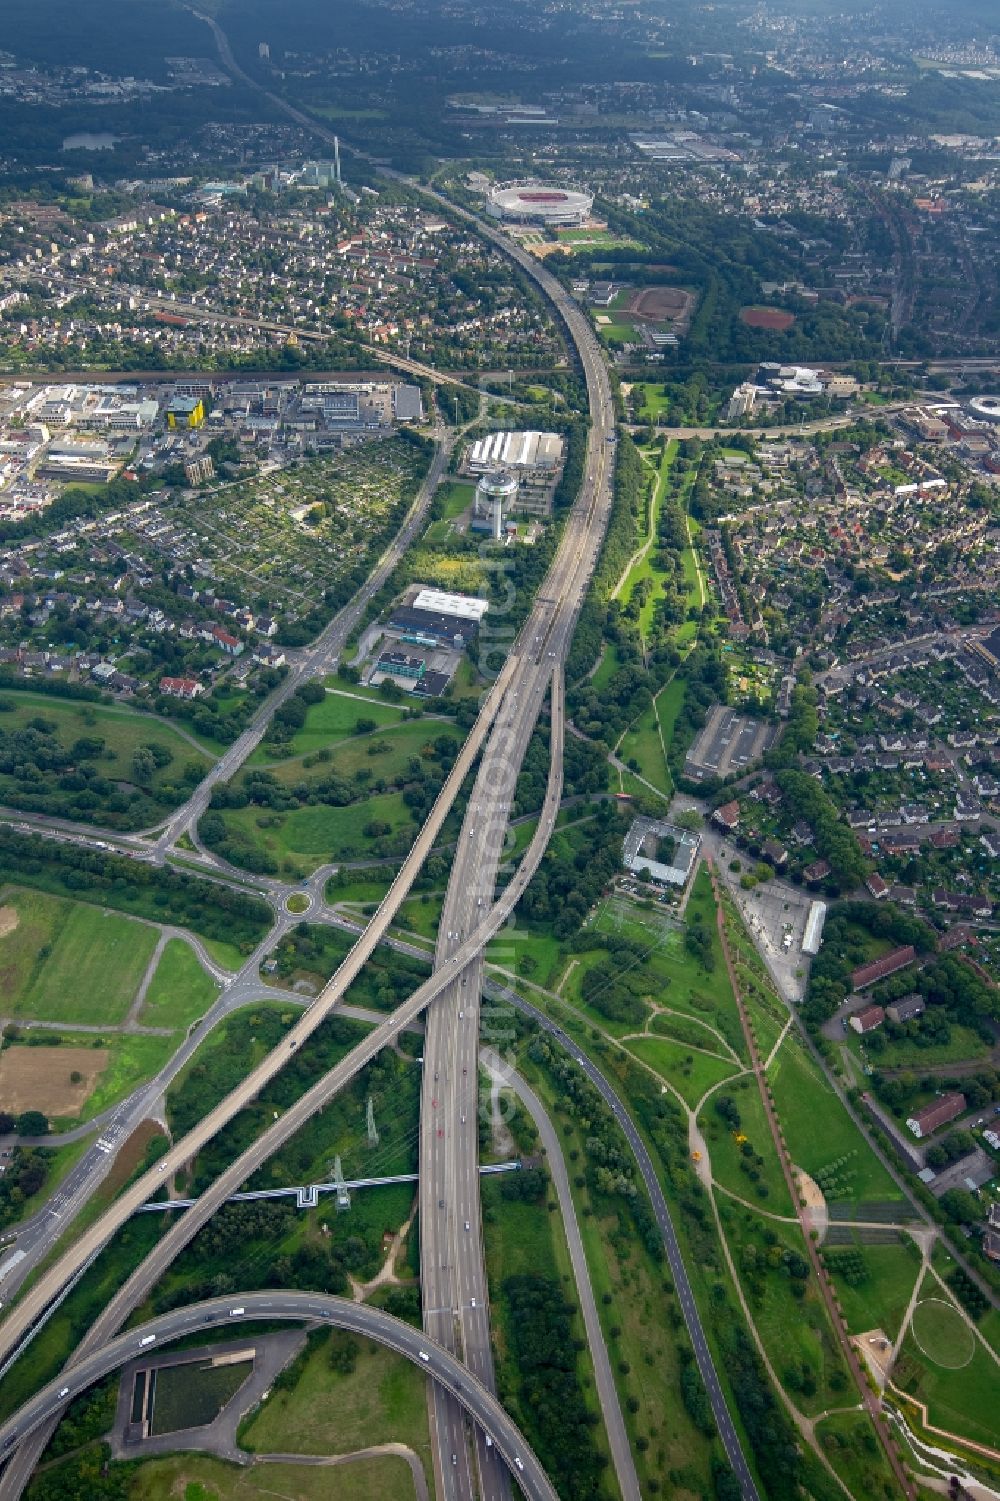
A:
x: 728, y: 743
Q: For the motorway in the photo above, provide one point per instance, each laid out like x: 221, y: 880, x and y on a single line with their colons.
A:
x: 359, y: 1318
x: 51, y: 1284
x: 454, y: 1277
x: 453, y: 1274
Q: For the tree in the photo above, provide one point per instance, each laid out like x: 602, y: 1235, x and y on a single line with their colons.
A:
x: 31, y: 1123
x: 143, y: 765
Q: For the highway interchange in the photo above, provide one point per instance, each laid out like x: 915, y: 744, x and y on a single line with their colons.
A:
x: 454, y: 1284
x: 373, y: 1323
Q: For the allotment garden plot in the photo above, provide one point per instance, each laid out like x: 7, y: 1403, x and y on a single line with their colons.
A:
x: 293, y: 534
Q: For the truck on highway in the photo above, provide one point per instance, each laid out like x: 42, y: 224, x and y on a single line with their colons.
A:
x: 12, y: 1261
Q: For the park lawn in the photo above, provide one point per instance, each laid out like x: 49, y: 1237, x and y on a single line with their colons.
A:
x: 643, y: 752
x: 768, y: 1017
x: 195, y: 1477
x: 660, y: 464
x: 692, y: 1030
x: 640, y: 1319
x: 123, y: 731
x: 383, y: 1399
x: 818, y: 1128
x: 962, y: 1401
x: 70, y: 962
x: 332, y: 720
x: 850, y: 1443
x: 878, y: 1302
x: 726, y: 1152
x: 681, y: 980
x: 989, y: 1328
x: 181, y: 990
x: 690, y: 1072
x: 655, y: 403
x: 307, y: 836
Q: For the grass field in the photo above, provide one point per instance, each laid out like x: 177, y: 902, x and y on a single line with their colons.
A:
x: 331, y: 721
x: 190, y: 1395
x: 194, y: 1477
x: 655, y: 403
x: 308, y: 836
x: 181, y: 991
x: 804, y: 1099
x: 683, y: 983
x: 961, y: 1401
x: 383, y: 1399
x: 134, y: 1058
x: 69, y: 962
x: 607, y: 667
x: 454, y: 496
x: 963, y: 1043
x: 618, y: 329
x: 795, y: 1330
x: 690, y: 1072
x: 528, y: 1239
x: 879, y: 1301
x: 534, y: 956
x: 660, y: 465
x: 940, y: 1332
x: 646, y: 741
x: 727, y: 1155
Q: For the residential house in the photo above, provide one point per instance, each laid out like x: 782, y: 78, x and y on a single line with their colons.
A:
x: 938, y: 1113
x: 868, y: 974
x: 907, y: 1008
x: 867, y: 1019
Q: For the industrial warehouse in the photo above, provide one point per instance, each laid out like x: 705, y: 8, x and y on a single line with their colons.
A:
x: 420, y: 646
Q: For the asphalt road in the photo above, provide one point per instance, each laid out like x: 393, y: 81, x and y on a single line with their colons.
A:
x: 52, y: 1283
x: 359, y: 1318
x: 48, y: 1286
x: 692, y: 1318
x: 541, y: 649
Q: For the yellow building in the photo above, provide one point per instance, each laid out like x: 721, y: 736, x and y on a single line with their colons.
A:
x: 185, y: 411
